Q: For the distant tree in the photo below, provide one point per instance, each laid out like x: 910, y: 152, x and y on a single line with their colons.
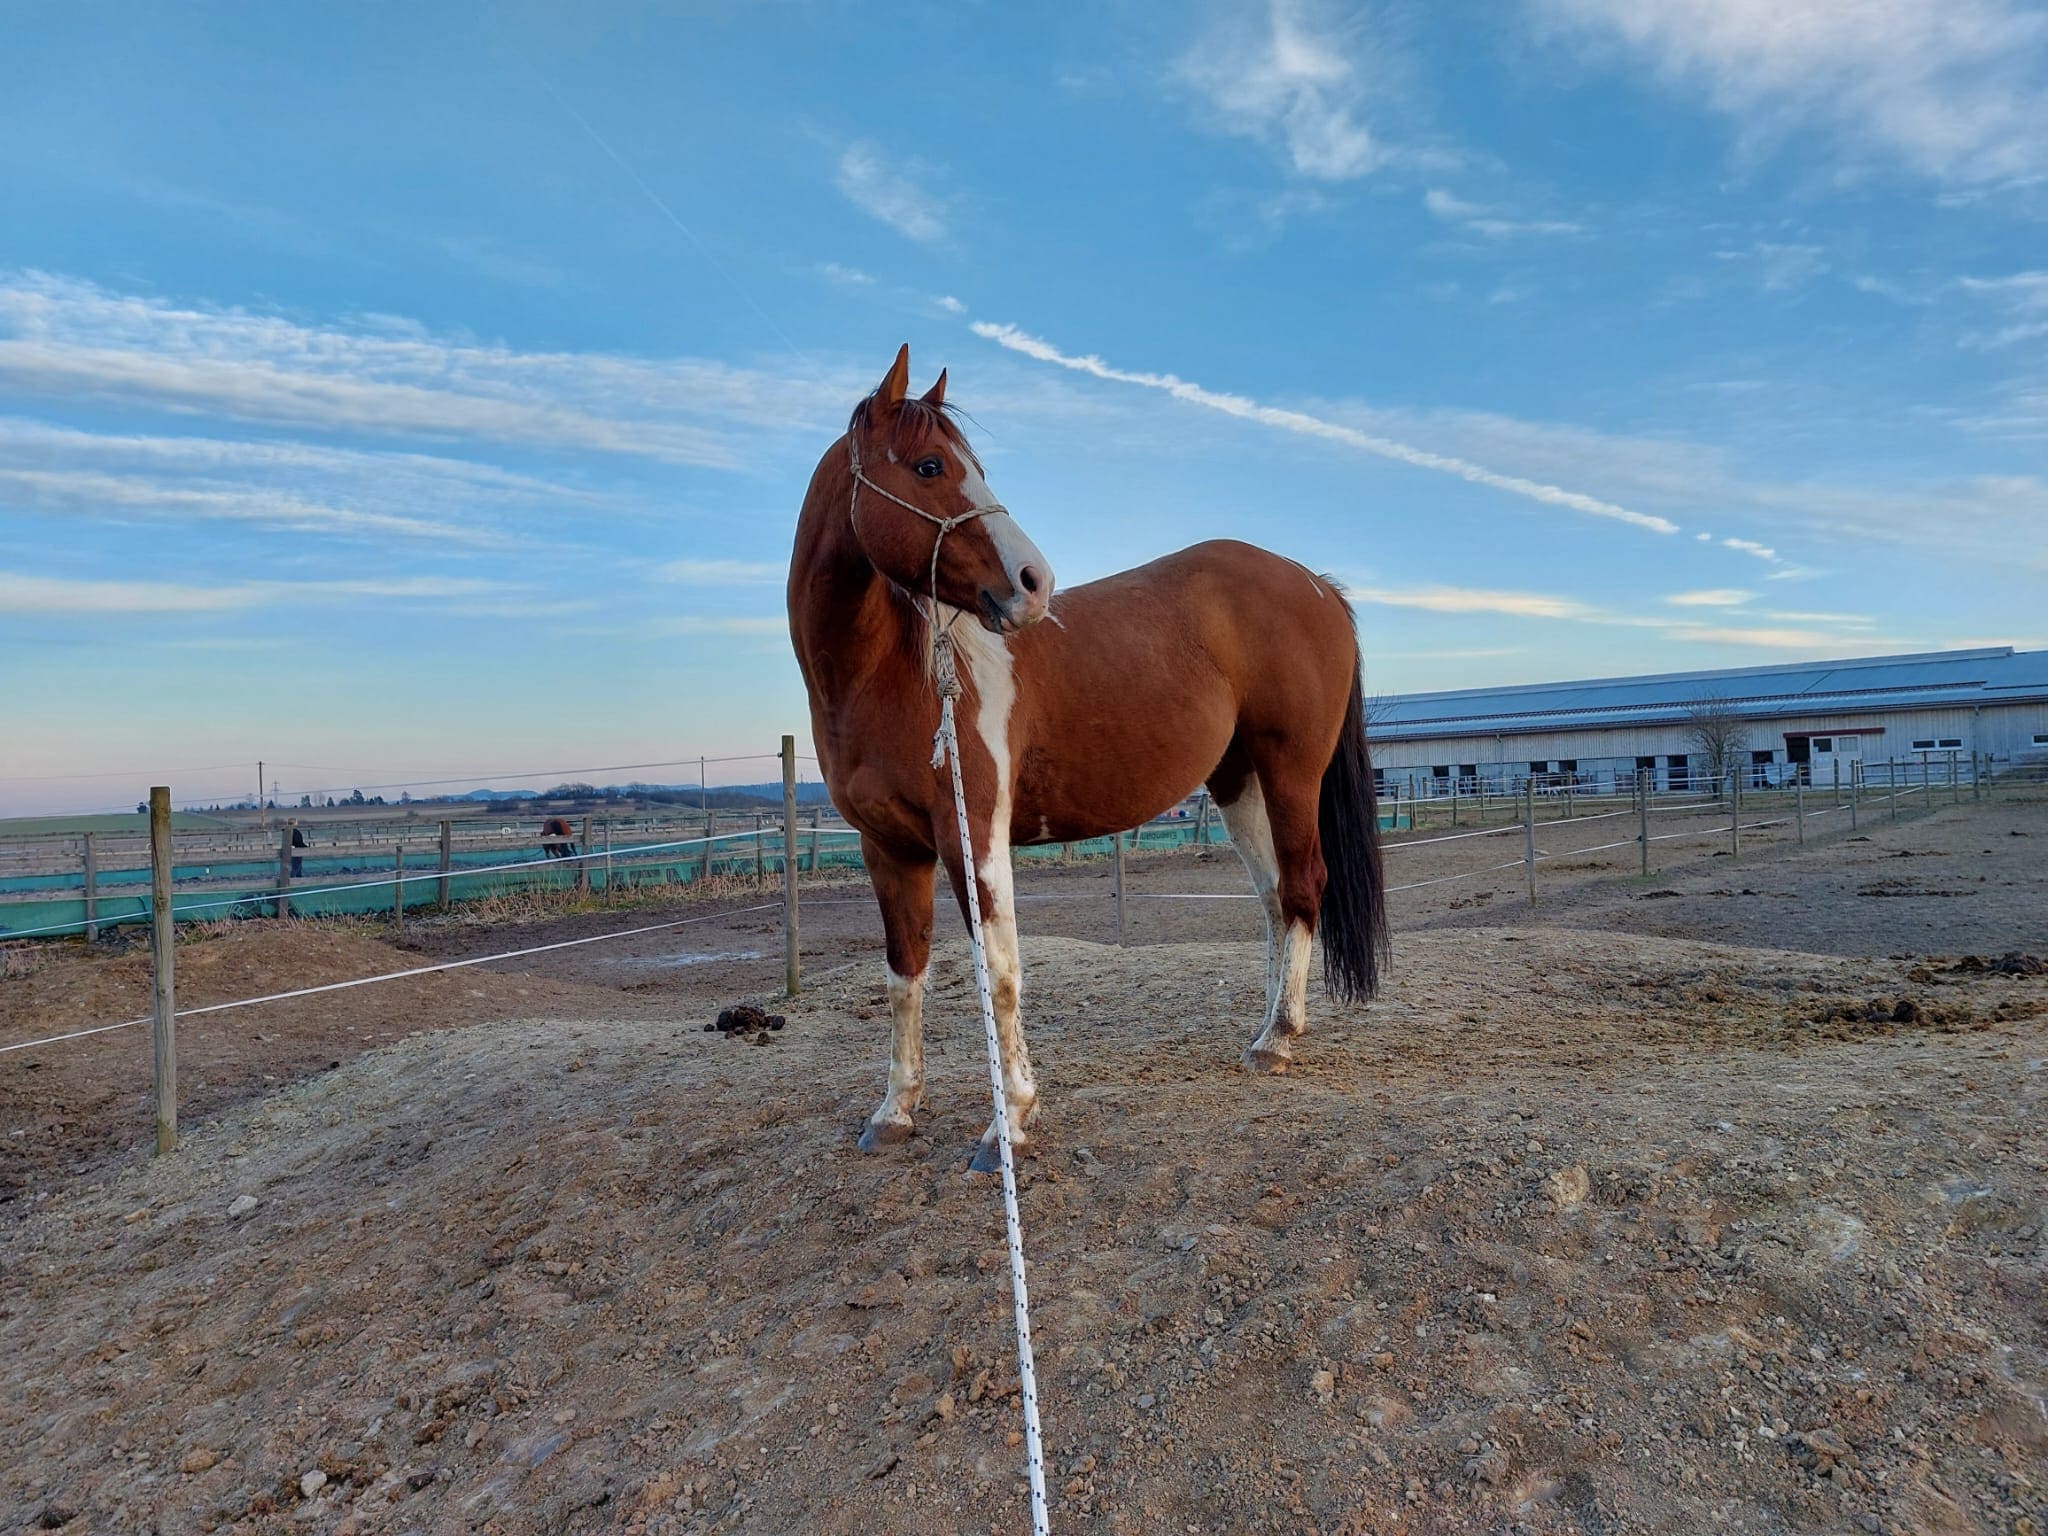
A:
x: 1718, y: 734
x: 305, y: 802
x: 142, y: 807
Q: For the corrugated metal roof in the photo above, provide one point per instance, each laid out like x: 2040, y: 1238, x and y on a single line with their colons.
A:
x: 1933, y: 680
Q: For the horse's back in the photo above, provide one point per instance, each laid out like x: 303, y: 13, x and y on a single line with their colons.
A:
x: 1235, y: 601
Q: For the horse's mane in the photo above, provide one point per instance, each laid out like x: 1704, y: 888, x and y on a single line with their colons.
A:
x: 913, y: 423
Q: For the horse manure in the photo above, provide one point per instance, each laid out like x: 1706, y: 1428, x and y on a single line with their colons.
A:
x: 746, y: 1023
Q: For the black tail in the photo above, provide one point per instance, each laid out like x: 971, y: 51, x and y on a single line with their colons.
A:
x: 1354, y: 916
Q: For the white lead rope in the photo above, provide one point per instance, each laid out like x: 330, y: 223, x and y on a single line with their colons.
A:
x: 946, y: 746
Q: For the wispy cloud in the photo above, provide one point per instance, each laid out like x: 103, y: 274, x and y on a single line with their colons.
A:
x: 1448, y: 599
x: 722, y: 573
x: 905, y: 196
x: 1304, y: 425
x: 1545, y: 607
x: 61, y: 337
x: 1951, y: 89
x: 1711, y: 597
x: 1283, y: 79
x: 2020, y: 297
x: 843, y: 275
x: 25, y: 593
x: 1491, y: 222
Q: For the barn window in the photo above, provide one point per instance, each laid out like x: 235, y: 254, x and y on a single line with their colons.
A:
x: 1951, y: 741
x: 2041, y: 738
x: 1823, y: 743
x: 1924, y: 744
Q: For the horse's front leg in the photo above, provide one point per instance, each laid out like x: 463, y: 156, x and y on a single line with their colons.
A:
x: 1006, y: 984
x: 903, y: 889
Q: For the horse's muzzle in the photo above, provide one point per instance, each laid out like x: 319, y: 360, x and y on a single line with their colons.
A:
x: 1028, y: 602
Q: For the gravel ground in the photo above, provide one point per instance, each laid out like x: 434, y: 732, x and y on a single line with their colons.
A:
x: 1671, y: 1213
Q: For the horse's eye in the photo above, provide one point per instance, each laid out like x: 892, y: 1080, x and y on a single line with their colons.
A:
x: 928, y: 469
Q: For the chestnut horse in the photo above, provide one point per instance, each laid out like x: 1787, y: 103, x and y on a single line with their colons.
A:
x: 1221, y: 665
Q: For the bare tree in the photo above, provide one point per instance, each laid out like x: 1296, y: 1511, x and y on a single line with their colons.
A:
x: 1718, y: 734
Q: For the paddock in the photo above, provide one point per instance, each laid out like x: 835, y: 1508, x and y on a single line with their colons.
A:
x: 1658, y: 1208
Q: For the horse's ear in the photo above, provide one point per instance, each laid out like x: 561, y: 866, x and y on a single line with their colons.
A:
x: 936, y: 395
x: 896, y: 382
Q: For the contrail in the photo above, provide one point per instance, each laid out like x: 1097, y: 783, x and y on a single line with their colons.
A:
x: 1305, y: 425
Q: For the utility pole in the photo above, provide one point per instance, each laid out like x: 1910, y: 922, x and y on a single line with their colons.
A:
x: 262, y: 816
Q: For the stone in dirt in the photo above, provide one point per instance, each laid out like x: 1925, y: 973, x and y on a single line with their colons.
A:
x: 1568, y: 1187
x: 241, y: 1206
x: 312, y: 1483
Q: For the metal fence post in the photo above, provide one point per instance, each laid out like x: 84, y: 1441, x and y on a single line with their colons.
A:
x: 1799, y: 808
x: 789, y: 911
x: 398, y: 886
x: 1454, y: 802
x: 1529, y: 835
x: 448, y: 860
x: 1955, y: 788
x: 163, y: 977
x: 1892, y: 773
x: 1734, y: 814
x: 92, y: 889
x: 1976, y: 783
x: 1118, y: 843
x: 1643, y: 822
x: 1855, y: 797
x: 582, y: 863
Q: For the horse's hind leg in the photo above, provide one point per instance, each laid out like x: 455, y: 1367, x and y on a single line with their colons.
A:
x: 1244, y: 817
x: 1289, y: 801
x: 903, y: 888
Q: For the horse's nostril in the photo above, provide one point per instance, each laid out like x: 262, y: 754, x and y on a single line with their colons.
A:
x: 1030, y: 579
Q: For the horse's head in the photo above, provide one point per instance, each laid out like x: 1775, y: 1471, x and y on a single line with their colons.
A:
x: 925, y: 516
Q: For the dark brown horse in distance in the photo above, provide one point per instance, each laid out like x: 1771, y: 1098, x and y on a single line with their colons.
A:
x: 1222, y: 665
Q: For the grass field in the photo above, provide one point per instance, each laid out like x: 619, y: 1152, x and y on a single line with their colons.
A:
x: 62, y: 826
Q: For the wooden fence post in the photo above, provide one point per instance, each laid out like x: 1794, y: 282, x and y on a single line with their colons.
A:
x: 1799, y: 808
x: 398, y: 885
x: 1955, y: 786
x: 1855, y: 796
x: 1118, y: 842
x: 815, y: 815
x: 1454, y: 802
x: 163, y: 977
x: 582, y: 862
x: 1892, y: 773
x: 448, y: 861
x: 92, y: 889
x: 760, y: 853
x: 607, y: 859
x: 1643, y: 822
x: 284, y: 870
x: 789, y: 910
x: 1734, y: 813
x: 1529, y: 835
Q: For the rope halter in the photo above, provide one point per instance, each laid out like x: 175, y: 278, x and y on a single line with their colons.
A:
x: 942, y: 643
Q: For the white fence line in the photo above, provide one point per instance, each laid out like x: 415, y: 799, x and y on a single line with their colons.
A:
x: 418, y: 970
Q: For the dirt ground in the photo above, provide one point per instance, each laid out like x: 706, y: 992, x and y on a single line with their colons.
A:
x: 1711, y: 1202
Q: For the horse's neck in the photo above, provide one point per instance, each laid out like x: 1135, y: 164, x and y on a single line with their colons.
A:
x: 849, y: 620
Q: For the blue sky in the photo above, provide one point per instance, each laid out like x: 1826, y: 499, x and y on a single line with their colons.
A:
x: 397, y: 393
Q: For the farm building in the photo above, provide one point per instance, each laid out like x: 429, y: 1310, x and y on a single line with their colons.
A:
x: 1809, y: 722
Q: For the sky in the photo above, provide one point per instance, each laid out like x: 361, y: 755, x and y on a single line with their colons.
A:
x: 403, y: 393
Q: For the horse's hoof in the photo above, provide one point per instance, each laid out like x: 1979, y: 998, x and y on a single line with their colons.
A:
x: 885, y: 1133
x: 1272, y: 1060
